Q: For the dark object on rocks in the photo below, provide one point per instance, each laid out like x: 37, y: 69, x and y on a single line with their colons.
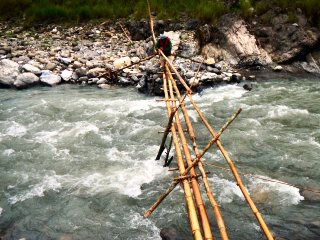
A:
x: 138, y: 30
x: 310, y: 195
x: 170, y: 234
x: 247, y: 86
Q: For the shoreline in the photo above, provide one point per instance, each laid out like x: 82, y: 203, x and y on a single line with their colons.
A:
x: 81, y: 54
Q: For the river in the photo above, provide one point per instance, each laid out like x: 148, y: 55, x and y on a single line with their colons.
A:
x: 78, y: 162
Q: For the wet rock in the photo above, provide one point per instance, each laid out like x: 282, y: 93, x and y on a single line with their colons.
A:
x: 278, y: 68
x: 66, y: 75
x: 124, y: 81
x: 32, y: 69
x: 170, y: 234
x: 310, y: 195
x: 248, y: 86
x: 25, y: 80
x: 50, y: 79
x: 104, y: 86
x: 9, y: 70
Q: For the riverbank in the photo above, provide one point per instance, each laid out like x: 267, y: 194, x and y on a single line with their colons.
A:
x: 230, y: 52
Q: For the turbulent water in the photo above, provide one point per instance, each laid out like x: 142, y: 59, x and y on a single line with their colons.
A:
x: 78, y: 163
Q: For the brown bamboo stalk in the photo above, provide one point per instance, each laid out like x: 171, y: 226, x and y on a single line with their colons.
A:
x: 195, y: 185
x: 194, y: 162
x: 151, y: 26
x: 235, y: 173
x: 125, y: 33
x: 211, y: 198
x: 193, y: 218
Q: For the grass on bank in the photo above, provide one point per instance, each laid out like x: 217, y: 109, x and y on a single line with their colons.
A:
x: 32, y: 11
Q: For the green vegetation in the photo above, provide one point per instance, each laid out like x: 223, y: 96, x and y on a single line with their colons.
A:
x: 207, y: 10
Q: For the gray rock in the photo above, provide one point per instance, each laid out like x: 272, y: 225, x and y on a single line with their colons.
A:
x: 81, y: 72
x: 83, y: 79
x: 31, y: 68
x: 170, y: 234
x: 124, y: 81
x: 104, y: 86
x: 48, y: 78
x: 65, y: 61
x: 101, y: 81
x: 95, y: 72
x: 66, y: 75
x: 9, y: 70
x: 25, y: 80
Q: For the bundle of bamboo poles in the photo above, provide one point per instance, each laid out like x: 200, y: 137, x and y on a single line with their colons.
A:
x: 189, y: 178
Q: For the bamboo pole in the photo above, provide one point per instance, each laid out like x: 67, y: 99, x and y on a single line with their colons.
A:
x: 195, y: 185
x: 193, y: 218
x: 194, y: 162
x: 235, y: 173
x: 151, y: 27
x: 211, y: 198
x: 125, y: 33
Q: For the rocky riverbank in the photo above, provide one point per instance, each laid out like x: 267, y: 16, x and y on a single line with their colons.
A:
x: 232, y: 51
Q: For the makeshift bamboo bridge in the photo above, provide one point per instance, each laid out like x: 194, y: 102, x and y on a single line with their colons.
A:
x: 190, y: 158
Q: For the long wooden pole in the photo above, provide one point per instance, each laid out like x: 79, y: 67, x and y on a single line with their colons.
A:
x: 225, y: 154
x: 193, y: 218
x: 194, y: 162
x: 211, y: 198
x: 235, y: 173
x: 194, y: 182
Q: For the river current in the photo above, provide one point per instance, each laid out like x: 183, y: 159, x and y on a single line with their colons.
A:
x: 78, y: 162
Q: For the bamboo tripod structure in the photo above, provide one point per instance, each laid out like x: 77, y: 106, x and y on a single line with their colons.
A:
x: 200, y: 228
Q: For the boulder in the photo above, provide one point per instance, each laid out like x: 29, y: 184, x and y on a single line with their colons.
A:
x: 31, y: 68
x: 135, y: 59
x: 25, y: 80
x: 95, y: 72
x: 66, y: 75
x: 81, y: 72
x: 231, y: 41
x: 50, y: 79
x: 104, y: 86
x: 286, y: 42
x: 122, y: 62
x: 9, y: 70
x: 170, y: 234
x: 310, y: 195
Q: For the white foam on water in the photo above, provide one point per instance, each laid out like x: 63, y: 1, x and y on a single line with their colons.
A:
x: 129, y: 181
x: 281, y: 111
x: 220, y: 93
x: 8, y: 152
x: 228, y: 190
x: 16, y: 130
x: 137, y: 221
x: 1, y: 209
x: 47, y: 136
x: 274, y: 193
x: 253, y: 122
x: 37, y: 190
x: 77, y: 129
x: 125, y: 180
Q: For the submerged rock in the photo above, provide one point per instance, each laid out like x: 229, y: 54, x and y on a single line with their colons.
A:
x: 170, y: 234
